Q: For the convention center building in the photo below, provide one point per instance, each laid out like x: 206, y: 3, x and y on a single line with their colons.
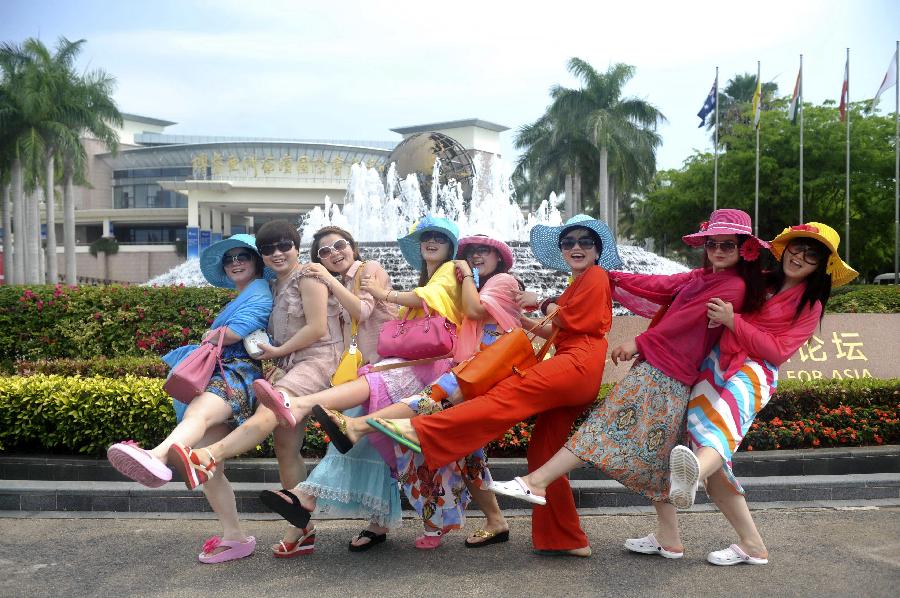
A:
x: 164, y: 197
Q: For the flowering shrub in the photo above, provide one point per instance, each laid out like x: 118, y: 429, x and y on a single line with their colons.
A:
x: 46, y: 322
x: 116, y: 367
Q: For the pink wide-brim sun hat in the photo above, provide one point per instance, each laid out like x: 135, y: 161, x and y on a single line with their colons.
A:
x: 726, y: 221
x: 502, y: 248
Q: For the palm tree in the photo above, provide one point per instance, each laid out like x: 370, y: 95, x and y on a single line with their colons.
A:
x: 615, y: 126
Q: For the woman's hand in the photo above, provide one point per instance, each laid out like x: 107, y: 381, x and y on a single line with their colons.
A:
x: 462, y: 269
x: 624, y: 352
x: 269, y: 352
x: 369, y: 284
x: 720, y: 312
x: 315, y: 269
x: 527, y: 299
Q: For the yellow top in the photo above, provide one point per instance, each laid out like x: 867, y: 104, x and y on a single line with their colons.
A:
x: 443, y: 294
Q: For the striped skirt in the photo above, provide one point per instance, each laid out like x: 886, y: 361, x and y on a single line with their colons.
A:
x: 720, y: 411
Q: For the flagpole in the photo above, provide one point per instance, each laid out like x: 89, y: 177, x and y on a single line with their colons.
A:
x: 897, y: 163
x: 847, y: 179
x: 800, y: 108
x: 716, y: 150
x: 756, y: 189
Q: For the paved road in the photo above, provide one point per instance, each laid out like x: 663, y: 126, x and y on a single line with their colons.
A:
x: 814, y: 552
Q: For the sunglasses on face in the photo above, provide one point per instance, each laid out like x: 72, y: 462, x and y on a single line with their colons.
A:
x: 430, y: 236
x: 725, y: 246
x: 339, y: 245
x: 480, y: 250
x: 283, y: 246
x: 236, y: 258
x: 568, y: 243
x: 811, y: 254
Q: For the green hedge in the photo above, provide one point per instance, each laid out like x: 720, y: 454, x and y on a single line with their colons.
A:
x: 59, y: 414
x: 49, y: 322
x: 115, y: 367
x: 866, y: 299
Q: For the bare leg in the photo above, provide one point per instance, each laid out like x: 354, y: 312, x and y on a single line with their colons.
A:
x: 245, y: 437
x: 220, y: 494
x: 292, y: 470
x: 204, y: 412
x: 404, y: 427
x: 734, y: 506
x: 487, y: 502
x: 667, y: 532
x: 710, y: 461
x: 559, y: 465
x: 357, y: 426
x: 342, y: 397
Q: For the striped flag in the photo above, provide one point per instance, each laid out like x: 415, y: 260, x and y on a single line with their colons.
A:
x: 845, y: 91
x: 792, y: 109
x: 890, y: 79
x: 756, y: 102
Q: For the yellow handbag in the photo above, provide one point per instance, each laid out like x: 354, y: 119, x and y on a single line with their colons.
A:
x: 352, y: 359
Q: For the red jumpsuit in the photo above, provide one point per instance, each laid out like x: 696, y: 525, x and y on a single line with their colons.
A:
x: 557, y: 390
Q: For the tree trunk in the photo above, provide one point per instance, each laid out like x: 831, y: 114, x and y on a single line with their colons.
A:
x: 33, y: 238
x: 50, y: 206
x: 576, y: 195
x: 604, y: 184
x: 613, y: 210
x: 19, y: 223
x: 570, y: 194
x: 69, y: 223
x: 8, y: 267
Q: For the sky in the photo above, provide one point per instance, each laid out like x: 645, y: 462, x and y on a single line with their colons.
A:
x: 354, y: 70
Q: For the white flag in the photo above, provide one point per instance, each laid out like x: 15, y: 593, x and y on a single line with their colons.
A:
x: 890, y: 79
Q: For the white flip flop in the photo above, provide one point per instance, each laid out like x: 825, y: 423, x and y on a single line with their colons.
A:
x: 649, y: 545
x: 733, y: 555
x: 517, y: 488
x: 684, y: 477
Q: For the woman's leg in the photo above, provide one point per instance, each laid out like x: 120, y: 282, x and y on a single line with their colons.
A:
x: 560, y: 464
x: 204, y: 412
x: 710, y: 461
x: 667, y: 532
x: 734, y: 506
x: 244, y: 438
x: 292, y: 471
x: 220, y: 494
x: 340, y: 398
x: 494, y: 521
x: 357, y: 426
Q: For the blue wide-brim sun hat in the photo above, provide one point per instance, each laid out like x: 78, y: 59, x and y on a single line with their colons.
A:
x: 409, y: 245
x: 211, y: 259
x: 545, y: 243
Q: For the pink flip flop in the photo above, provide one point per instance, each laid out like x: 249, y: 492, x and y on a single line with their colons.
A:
x: 269, y: 396
x: 135, y: 463
x: 235, y: 550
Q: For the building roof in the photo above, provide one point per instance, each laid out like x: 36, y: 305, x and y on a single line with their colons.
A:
x: 147, y: 120
x: 157, y: 139
x: 451, y: 124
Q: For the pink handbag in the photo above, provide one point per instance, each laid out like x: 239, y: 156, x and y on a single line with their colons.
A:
x: 190, y: 378
x: 417, y: 338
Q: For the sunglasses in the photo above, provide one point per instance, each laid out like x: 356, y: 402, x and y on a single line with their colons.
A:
x: 811, y: 255
x: 725, y: 246
x: 325, y: 250
x: 479, y: 250
x: 430, y: 236
x: 569, y: 243
x: 236, y: 258
x: 283, y: 246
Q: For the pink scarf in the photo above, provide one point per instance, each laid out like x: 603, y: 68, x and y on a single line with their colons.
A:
x: 498, y: 299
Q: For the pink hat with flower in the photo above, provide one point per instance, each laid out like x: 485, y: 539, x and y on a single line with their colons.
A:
x: 728, y: 221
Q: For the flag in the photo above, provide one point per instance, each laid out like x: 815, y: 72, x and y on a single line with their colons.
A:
x: 792, y: 109
x: 710, y: 104
x: 890, y: 79
x: 756, y: 102
x: 845, y: 91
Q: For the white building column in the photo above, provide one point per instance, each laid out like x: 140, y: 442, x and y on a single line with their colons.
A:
x: 193, y: 227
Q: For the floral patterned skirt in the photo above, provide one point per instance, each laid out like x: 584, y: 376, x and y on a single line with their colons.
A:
x: 239, y: 376
x: 629, y: 435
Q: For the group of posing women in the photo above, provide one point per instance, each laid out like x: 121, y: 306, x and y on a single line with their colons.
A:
x: 704, y: 368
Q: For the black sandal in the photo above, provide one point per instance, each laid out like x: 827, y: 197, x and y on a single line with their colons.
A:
x: 295, y: 513
x: 336, y: 432
x: 489, y: 538
x: 373, y: 540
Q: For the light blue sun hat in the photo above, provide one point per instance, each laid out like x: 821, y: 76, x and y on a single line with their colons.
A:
x: 211, y: 259
x: 409, y: 245
x: 545, y: 243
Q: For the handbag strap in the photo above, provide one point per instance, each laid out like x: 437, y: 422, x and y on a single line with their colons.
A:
x: 354, y: 322
x: 408, y: 364
x: 221, y: 330
x: 542, y: 352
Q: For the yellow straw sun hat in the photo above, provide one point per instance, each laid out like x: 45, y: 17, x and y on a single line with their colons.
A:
x: 840, y: 272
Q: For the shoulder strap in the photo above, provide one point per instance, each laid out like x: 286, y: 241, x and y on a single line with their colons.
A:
x: 354, y: 322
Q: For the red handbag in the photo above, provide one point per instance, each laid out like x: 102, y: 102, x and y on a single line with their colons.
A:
x: 417, y: 338
x: 190, y: 378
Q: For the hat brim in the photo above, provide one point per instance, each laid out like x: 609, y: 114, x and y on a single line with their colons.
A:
x: 545, y: 245
x: 699, y: 238
x: 409, y: 245
x: 211, y: 262
x: 841, y: 272
x: 502, y: 248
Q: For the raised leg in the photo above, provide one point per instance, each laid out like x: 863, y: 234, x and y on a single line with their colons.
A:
x: 204, y: 412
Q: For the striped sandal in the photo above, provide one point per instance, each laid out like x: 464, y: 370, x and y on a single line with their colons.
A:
x: 187, y: 463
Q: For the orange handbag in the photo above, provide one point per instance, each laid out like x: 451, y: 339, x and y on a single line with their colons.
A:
x: 511, y: 354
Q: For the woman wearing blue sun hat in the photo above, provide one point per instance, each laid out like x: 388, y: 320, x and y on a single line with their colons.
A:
x: 232, y: 263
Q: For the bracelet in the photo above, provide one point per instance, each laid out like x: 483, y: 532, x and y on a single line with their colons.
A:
x: 469, y: 276
x: 388, y: 298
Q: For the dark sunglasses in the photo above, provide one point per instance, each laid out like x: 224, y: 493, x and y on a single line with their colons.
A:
x: 568, y: 243
x: 429, y: 236
x: 479, y: 250
x: 283, y: 246
x: 811, y: 255
x: 725, y: 246
x: 326, y: 250
x: 236, y: 258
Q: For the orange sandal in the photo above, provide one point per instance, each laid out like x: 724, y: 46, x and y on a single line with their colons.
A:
x: 187, y: 463
x: 305, y: 544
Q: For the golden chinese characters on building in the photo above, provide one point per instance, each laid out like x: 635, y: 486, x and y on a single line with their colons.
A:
x: 268, y: 166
